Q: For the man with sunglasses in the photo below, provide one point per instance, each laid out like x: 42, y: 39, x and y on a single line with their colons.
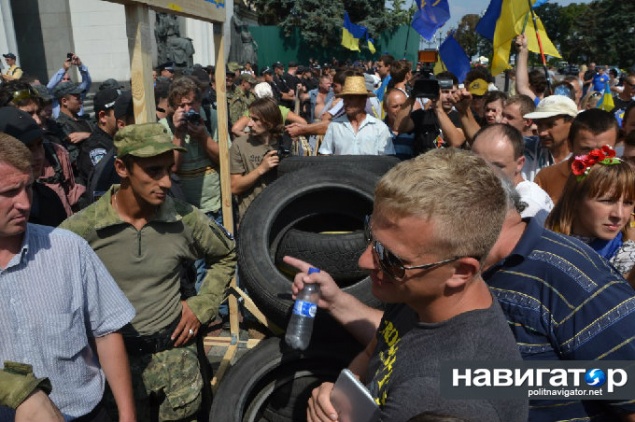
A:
x: 424, y: 258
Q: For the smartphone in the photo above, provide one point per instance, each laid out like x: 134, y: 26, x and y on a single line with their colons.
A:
x: 352, y: 400
x: 69, y: 56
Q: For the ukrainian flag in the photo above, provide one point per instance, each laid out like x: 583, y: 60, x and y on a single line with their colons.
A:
x: 502, y: 22
x: 351, y: 34
x: 606, y: 103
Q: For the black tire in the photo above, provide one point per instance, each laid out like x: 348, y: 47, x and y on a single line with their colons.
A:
x: 376, y: 164
x: 336, y: 200
x: 335, y: 253
x: 273, y: 383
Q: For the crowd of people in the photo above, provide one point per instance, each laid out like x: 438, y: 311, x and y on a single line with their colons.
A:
x: 506, y: 232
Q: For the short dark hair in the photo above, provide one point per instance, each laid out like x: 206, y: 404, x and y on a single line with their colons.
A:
x: 594, y: 120
x: 538, y: 81
x: 387, y: 59
x: 446, y: 74
x: 492, y: 96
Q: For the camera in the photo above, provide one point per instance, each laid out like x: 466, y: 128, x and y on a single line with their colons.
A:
x: 426, y: 88
x: 283, y: 152
x: 446, y: 83
x: 192, y: 117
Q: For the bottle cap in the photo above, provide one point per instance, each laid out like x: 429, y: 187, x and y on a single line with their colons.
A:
x: 313, y: 270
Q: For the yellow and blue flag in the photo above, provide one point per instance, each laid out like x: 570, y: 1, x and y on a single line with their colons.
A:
x: 371, y: 44
x: 502, y: 22
x: 606, y: 103
x: 454, y: 57
x: 430, y: 16
x: 351, y: 34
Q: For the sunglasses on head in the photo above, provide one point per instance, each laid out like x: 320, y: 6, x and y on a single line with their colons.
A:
x: 24, y: 94
x: 390, y: 263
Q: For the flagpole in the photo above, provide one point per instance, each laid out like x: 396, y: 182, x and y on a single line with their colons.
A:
x: 405, y: 51
x: 542, y: 52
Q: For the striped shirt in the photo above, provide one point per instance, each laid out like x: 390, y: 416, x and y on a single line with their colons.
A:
x: 55, y: 294
x: 564, y: 301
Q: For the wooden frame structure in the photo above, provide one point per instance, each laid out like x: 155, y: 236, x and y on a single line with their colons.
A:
x: 140, y: 35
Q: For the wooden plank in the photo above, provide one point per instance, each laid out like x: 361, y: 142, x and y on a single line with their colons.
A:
x: 140, y: 46
x: 205, y: 10
x: 223, y: 128
x: 227, y: 341
x: 249, y: 304
x: 224, y: 366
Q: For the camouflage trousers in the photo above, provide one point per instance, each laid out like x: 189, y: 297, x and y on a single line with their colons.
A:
x: 170, y: 379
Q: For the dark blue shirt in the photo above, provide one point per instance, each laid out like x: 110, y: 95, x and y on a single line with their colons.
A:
x: 564, y: 301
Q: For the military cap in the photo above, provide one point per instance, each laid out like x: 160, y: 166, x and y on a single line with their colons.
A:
x: 66, y: 88
x: 144, y: 140
x: 233, y: 66
x: 249, y: 78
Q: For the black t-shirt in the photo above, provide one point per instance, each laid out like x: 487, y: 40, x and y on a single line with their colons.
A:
x: 46, y: 208
x: 588, y: 75
x: 92, y: 150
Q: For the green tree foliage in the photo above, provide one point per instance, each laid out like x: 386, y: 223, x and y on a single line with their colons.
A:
x: 610, y: 29
x: 320, y: 23
x: 466, y: 34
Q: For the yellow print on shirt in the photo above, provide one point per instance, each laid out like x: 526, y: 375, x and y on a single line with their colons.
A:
x: 387, y: 358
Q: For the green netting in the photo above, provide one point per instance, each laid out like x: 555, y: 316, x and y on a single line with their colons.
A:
x: 274, y: 46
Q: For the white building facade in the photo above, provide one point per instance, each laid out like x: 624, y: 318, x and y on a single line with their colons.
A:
x: 41, y: 33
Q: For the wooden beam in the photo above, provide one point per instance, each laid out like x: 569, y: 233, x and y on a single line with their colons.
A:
x: 223, y: 127
x: 139, y: 46
x: 205, y: 10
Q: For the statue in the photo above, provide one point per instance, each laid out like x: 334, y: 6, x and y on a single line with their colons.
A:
x: 243, y: 47
x: 170, y: 45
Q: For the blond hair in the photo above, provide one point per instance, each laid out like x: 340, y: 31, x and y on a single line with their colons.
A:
x: 456, y: 190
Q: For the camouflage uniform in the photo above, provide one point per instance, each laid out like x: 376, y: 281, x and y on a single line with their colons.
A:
x: 239, y: 104
x: 17, y: 382
x: 147, y: 265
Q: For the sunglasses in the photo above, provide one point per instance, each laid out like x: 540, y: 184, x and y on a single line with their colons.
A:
x: 24, y: 94
x: 390, y: 263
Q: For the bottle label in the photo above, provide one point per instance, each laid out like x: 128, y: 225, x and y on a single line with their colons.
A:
x: 306, y: 309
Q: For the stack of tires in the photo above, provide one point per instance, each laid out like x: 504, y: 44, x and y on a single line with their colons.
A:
x: 314, y: 211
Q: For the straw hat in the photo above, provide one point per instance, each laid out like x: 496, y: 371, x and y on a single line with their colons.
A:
x: 355, y: 85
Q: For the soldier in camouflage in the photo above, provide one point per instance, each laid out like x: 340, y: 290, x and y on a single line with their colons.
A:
x: 145, y: 237
x: 243, y: 97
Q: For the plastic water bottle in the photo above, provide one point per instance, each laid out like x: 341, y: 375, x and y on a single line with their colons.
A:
x: 300, y: 324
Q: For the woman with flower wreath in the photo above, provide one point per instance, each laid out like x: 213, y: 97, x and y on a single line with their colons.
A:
x: 596, y: 206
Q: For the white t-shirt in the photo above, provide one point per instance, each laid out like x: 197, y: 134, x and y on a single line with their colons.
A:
x: 539, y: 204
